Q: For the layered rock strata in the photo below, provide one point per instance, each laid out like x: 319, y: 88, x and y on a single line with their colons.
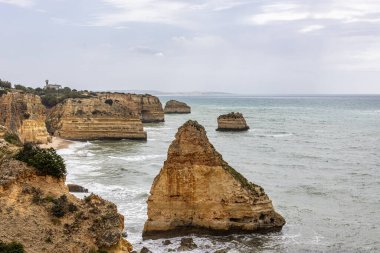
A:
x: 24, y: 115
x: 233, y: 121
x: 197, y: 191
x: 40, y: 213
x: 174, y: 106
x: 95, y: 118
x: 148, y: 107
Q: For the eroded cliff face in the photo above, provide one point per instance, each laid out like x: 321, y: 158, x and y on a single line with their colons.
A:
x: 197, y: 191
x: 40, y: 213
x: 147, y: 106
x: 233, y: 121
x: 174, y: 106
x: 100, y: 117
x: 24, y: 115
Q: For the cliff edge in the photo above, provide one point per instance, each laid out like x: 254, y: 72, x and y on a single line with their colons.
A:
x: 40, y: 213
x: 24, y: 115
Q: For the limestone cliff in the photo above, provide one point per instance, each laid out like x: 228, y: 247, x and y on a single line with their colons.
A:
x: 99, y: 117
x: 174, y: 106
x: 233, y: 121
x: 40, y: 213
x: 24, y: 115
x: 197, y: 191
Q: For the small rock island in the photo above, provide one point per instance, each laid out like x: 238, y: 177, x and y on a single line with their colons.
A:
x: 174, y: 106
x: 233, y: 121
x: 197, y: 191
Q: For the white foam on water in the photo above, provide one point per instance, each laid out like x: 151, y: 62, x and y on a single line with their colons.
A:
x: 136, y: 158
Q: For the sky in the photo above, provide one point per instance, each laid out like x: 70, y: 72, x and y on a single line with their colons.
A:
x: 236, y: 46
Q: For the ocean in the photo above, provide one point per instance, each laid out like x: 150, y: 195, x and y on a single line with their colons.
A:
x: 317, y: 157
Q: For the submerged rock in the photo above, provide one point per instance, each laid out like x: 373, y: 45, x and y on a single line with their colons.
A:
x: 233, y: 121
x: 197, y: 191
x: 174, y: 106
x: 187, y: 244
x: 24, y: 115
x: 145, y: 250
x: 41, y: 214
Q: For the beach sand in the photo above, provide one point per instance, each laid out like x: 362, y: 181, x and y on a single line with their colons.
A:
x: 57, y: 143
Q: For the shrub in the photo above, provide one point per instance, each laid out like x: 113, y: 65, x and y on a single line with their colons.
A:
x: 58, y: 209
x: 46, y: 161
x: 12, y: 138
x: 109, y: 101
x: 5, y: 84
x: 12, y: 247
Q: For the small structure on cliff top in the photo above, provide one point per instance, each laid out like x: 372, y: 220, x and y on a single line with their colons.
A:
x: 233, y: 121
x: 174, y: 106
x: 197, y: 191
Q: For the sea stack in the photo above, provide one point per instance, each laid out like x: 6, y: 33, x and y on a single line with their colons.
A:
x: 174, y: 106
x: 233, y: 121
x: 24, y: 116
x: 196, y: 191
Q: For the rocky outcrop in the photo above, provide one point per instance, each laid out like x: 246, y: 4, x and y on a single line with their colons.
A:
x: 174, y: 106
x: 24, y: 115
x: 99, y: 117
x: 7, y: 150
x: 151, y: 109
x: 76, y: 188
x: 148, y: 107
x: 233, y: 121
x: 197, y: 191
x: 40, y: 213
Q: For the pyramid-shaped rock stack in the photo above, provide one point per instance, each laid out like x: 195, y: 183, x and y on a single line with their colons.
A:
x: 197, y: 191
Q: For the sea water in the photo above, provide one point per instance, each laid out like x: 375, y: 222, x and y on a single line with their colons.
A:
x: 318, y: 159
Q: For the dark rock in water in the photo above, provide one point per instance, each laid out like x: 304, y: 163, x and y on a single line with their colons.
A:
x: 145, y: 250
x: 76, y: 188
x: 187, y: 244
x: 124, y: 234
x: 166, y: 242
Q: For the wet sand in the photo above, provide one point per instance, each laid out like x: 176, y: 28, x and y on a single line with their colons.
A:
x: 57, y: 143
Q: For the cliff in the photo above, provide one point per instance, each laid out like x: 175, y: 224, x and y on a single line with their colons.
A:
x: 99, y: 117
x: 233, y: 121
x: 174, y: 106
x: 197, y: 191
x: 148, y: 107
x: 40, y: 213
x: 24, y: 115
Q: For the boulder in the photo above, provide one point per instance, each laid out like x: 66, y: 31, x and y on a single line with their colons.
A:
x: 196, y: 191
x: 233, y: 121
x: 76, y: 188
x: 174, y: 106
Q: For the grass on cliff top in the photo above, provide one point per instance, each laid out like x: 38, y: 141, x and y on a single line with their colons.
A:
x: 12, y: 247
x: 46, y: 161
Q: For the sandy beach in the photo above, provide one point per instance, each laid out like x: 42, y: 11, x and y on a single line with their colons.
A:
x: 57, y: 143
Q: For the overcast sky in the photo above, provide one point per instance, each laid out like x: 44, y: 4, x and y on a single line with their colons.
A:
x: 240, y: 46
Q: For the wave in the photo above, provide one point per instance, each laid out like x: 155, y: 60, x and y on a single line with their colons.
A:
x: 136, y: 158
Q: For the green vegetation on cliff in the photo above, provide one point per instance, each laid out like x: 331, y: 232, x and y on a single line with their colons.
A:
x: 12, y: 247
x: 46, y: 161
